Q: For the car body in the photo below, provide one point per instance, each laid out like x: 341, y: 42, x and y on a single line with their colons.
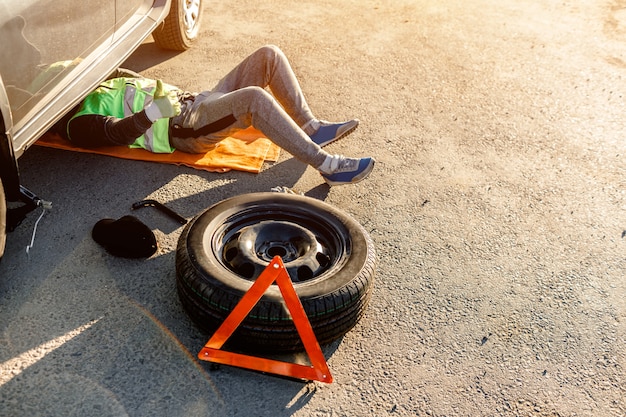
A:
x: 54, y: 52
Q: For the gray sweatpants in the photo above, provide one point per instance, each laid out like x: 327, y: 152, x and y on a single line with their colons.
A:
x: 281, y: 115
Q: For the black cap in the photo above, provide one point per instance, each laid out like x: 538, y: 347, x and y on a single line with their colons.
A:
x: 127, y: 237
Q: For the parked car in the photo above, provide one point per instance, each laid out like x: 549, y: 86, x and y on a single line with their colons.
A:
x: 53, y: 53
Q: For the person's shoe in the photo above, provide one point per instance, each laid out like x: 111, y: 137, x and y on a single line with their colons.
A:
x: 330, y: 132
x: 349, y: 170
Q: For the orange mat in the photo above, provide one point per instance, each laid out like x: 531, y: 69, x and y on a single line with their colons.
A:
x: 245, y: 151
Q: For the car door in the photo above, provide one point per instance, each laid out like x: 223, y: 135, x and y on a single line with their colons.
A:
x: 42, y: 41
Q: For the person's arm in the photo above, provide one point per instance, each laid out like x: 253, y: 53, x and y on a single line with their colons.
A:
x: 94, y: 130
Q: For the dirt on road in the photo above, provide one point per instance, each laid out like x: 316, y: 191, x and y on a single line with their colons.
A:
x: 497, y: 207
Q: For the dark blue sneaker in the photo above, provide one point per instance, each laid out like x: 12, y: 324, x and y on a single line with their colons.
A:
x: 350, y: 171
x: 330, y: 132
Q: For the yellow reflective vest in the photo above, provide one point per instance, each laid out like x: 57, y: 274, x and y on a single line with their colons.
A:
x: 121, y: 97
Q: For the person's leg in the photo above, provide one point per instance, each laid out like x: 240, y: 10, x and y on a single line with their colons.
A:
x: 250, y: 106
x: 253, y: 106
x: 241, y: 94
x: 269, y: 67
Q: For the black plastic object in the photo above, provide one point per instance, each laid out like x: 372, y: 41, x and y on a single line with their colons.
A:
x: 126, y: 237
x: 153, y: 203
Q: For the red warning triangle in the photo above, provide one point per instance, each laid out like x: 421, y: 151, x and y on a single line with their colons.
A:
x: 275, y: 271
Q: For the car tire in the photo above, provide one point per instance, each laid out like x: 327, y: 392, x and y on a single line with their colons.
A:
x: 181, y: 26
x: 3, y: 220
x: 329, y: 256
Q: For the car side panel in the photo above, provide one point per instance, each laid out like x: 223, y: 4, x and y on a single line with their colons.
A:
x: 78, y: 79
x: 41, y: 39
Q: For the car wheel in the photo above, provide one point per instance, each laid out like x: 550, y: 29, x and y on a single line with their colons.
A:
x: 3, y: 220
x: 181, y: 26
x: 329, y: 256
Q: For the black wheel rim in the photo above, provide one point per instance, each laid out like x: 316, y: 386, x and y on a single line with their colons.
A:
x: 309, y: 244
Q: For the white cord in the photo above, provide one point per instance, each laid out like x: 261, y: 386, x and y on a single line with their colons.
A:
x: 32, y: 240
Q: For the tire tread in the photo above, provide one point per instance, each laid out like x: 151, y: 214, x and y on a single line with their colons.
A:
x: 269, y: 327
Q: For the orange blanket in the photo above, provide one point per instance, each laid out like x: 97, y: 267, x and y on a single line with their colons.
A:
x: 246, y: 151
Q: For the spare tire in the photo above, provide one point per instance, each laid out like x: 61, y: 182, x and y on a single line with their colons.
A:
x: 329, y: 256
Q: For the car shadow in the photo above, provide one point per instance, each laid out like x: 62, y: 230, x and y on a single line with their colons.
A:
x: 148, y: 55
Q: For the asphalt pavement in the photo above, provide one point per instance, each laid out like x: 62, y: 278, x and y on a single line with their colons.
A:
x: 497, y: 207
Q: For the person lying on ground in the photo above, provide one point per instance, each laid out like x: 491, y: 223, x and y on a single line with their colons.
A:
x: 134, y: 111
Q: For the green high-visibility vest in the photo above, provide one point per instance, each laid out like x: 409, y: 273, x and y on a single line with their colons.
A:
x: 121, y: 97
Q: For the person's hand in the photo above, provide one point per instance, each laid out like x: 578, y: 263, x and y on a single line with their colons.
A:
x: 164, y: 104
x: 168, y: 104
